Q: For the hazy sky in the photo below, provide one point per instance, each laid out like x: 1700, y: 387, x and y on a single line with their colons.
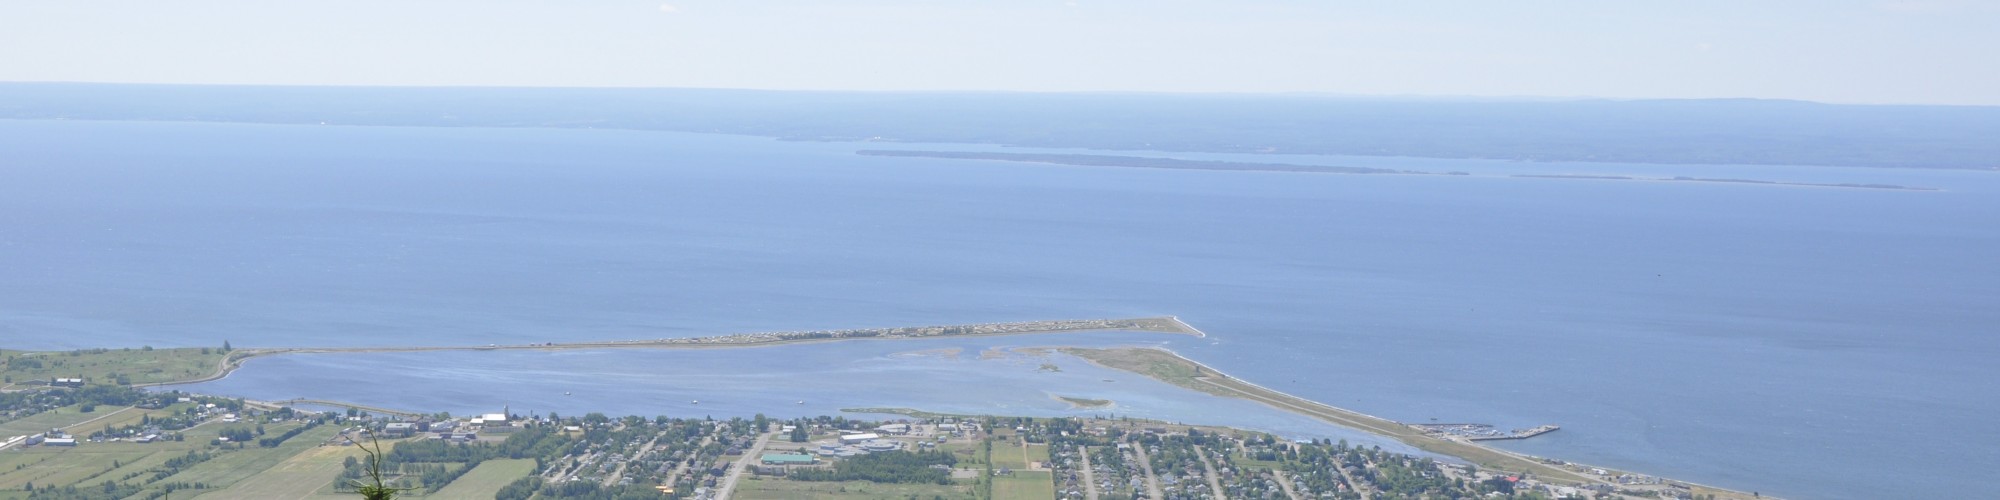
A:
x: 1913, y: 51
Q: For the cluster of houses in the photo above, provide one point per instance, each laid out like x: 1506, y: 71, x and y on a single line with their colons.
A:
x: 458, y: 430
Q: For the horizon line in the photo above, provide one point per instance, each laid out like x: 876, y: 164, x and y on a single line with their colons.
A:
x: 1306, y: 94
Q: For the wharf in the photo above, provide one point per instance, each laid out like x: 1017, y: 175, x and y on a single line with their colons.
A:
x: 1519, y: 434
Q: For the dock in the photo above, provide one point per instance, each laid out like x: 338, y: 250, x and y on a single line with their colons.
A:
x: 1520, y: 433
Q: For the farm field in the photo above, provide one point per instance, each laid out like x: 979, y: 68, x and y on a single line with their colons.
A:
x: 487, y: 479
x: 1024, y: 485
x: 308, y: 474
x: 60, y: 417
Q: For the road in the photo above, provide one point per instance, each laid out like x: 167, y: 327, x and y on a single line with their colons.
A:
x: 728, y: 484
x: 1285, y: 483
x: 1152, y: 482
x: 1208, y: 470
x: 1089, y: 478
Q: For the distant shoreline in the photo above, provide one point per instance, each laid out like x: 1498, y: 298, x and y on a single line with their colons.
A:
x: 1096, y: 160
x: 1725, y: 181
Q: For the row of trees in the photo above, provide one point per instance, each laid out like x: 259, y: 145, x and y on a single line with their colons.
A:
x: 886, y: 467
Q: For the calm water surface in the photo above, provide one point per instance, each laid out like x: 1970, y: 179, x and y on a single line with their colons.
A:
x: 974, y: 376
x: 1769, y: 338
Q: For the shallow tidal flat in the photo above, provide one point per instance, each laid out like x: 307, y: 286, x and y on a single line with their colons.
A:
x: 980, y: 375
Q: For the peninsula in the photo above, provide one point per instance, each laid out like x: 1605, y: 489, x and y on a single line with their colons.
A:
x: 234, y: 359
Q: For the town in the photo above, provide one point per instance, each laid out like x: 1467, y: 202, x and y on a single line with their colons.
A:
x: 172, y: 445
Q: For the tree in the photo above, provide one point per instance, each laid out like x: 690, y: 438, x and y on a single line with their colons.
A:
x: 225, y: 346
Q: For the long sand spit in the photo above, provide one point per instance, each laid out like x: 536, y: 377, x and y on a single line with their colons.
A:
x: 1163, y: 324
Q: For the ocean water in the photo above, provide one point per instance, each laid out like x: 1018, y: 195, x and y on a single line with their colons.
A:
x: 1779, y: 339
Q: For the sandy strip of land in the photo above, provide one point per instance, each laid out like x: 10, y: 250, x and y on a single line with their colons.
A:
x: 1170, y: 367
x: 1163, y: 324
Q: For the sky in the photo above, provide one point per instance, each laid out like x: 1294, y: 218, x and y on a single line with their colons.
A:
x: 1846, y: 51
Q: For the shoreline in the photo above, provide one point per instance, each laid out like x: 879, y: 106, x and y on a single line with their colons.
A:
x: 1455, y: 448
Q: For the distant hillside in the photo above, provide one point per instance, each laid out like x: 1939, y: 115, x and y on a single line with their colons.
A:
x: 1652, y: 131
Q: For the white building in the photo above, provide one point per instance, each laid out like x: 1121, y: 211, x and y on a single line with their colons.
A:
x: 856, y: 438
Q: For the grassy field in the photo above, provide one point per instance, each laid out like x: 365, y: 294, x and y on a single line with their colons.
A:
x: 60, y: 417
x: 62, y: 466
x: 1024, y: 485
x: 239, y: 465
x: 89, y: 464
x: 779, y: 489
x: 1009, y: 454
x: 1171, y: 368
x: 967, y: 453
x: 115, y: 418
x: 487, y: 479
x: 140, y: 366
x: 309, y: 474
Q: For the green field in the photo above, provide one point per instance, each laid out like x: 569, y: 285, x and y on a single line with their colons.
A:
x: 116, y: 418
x: 309, y: 474
x: 139, y: 366
x: 1024, y: 485
x: 238, y: 465
x: 60, y: 417
x: 778, y: 489
x: 1011, y: 455
x: 487, y: 479
x: 63, y: 466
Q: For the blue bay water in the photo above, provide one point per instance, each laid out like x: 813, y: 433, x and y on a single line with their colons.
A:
x: 1769, y: 338
x: 971, y: 376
